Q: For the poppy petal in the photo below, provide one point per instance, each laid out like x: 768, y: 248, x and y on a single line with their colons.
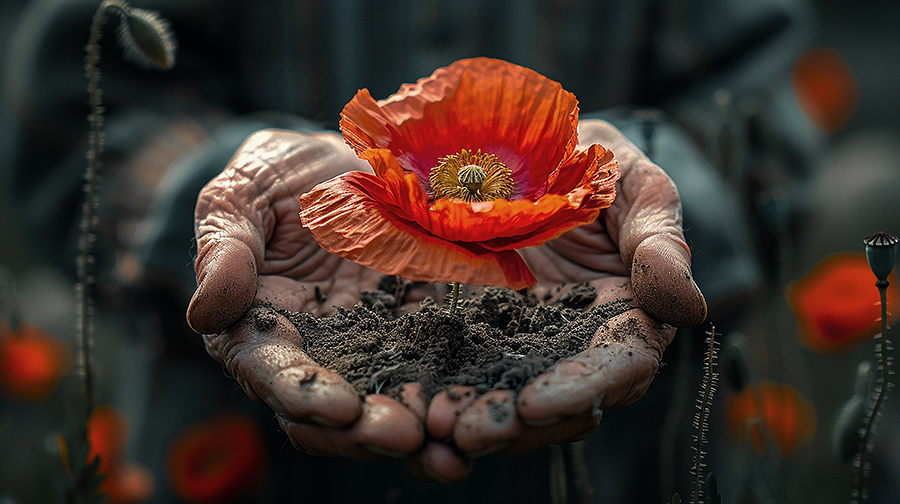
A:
x: 499, y: 225
x: 107, y: 430
x: 506, y: 221
x: 217, y: 460
x: 130, y: 483
x: 32, y: 362
x: 595, y: 168
x: 774, y: 410
x: 837, y: 304
x: 348, y: 217
x: 825, y: 88
x: 527, y: 120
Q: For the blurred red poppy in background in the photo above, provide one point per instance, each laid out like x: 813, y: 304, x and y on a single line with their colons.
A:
x: 217, y: 460
x: 471, y: 163
x: 107, y: 433
x: 771, y: 413
x: 837, y: 304
x: 825, y: 88
x: 32, y: 362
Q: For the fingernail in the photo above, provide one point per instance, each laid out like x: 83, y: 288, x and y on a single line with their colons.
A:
x: 492, y: 449
x: 380, y: 450
x: 545, y: 422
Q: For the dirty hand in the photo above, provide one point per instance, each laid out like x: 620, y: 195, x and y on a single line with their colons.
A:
x: 251, y: 246
x: 636, y: 251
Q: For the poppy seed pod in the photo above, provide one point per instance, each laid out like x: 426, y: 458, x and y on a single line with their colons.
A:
x: 881, y: 251
x: 147, y: 38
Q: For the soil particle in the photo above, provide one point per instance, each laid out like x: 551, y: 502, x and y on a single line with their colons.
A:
x: 499, y: 411
x: 629, y: 327
x: 262, y: 320
x: 307, y: 380
x: 579, y: 297
x: 499, y: 339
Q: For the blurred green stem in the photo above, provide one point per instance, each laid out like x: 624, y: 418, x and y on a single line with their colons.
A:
x: 882, y: 393
x: 85, y: 288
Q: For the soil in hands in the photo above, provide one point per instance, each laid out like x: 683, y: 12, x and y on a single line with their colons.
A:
x: 499, y: 339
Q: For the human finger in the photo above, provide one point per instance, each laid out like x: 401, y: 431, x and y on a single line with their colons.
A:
x: 615, y: 371
x: 264, y: 353
x: 440, y: 462
x: 246, y: 220
x: 645, y: 221
x: 411, y: 396
x: 384, y: 428
x: 445, y: 408
x: 491, y: 424
x: 663, y: 284
x: 226, y: 285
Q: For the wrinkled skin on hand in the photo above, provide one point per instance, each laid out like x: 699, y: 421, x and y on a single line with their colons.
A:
x: 251, y: 246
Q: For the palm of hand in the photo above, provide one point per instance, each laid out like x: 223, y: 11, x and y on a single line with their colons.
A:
x: 253, y: 247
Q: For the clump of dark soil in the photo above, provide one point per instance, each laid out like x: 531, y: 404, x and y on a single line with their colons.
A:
x: 497, y: 340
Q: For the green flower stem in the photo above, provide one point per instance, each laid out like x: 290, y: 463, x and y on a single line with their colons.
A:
x: 454, y: 296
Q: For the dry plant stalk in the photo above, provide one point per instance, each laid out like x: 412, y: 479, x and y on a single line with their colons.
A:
x: 701, y: 419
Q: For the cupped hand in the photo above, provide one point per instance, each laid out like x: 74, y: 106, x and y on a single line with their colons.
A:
x: 252, y: 248
x: 254, y: 254
x: 635, y: 251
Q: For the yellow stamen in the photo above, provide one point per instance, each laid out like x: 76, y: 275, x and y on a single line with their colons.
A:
x: 471, y: 176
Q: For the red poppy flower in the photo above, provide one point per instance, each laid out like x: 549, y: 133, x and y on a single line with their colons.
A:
x: 107, y: 432
x: 471, y: 163
x: 825, y: 88
x: 31, y: 362
x: 837, y: 304
x: 217, y: 461
x: 770, y: 412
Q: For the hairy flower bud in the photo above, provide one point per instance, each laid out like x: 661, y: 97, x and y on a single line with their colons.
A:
x: 147, y: 38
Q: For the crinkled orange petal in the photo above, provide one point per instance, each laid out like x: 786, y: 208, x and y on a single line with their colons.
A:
x: 595, y: 168
x: 501, y: 225
x: 351, y: 216
x: 398, y: 190
x: 837, y: 304
x: 493, y: 220
x: 525, y: 119
x: 597, y: 191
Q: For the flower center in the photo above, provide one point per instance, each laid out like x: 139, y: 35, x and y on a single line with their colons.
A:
x: 471, y: 176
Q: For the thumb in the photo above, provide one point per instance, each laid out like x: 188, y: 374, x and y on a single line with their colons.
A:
x: 663, y: 283
x: 226, y: 285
